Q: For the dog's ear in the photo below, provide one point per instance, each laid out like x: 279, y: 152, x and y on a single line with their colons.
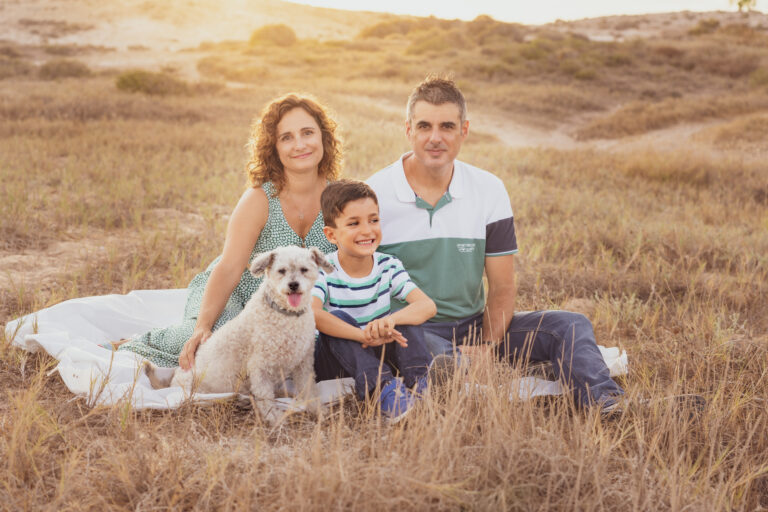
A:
x: 320, y: 259
x: 262, y: 263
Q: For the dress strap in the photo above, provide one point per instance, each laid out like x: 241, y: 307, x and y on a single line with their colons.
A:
x: 269, y: 189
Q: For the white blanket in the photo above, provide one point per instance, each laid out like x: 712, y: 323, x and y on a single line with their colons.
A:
x: 72, y: 330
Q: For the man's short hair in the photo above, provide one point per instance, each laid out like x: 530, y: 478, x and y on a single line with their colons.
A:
x: 338, y: 194
x: 437, y: 90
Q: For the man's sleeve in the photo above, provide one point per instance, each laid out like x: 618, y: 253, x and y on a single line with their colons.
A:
x: 401, y: 284
x: 320, y: 290
x: 500, y: 238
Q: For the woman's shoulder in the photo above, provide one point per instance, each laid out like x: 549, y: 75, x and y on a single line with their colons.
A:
x: 255, y: 197
x: 253, y: 205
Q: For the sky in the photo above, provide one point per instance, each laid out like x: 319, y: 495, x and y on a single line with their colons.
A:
x: 528, y: 12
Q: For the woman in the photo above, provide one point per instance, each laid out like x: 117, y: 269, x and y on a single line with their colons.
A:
x: 294, y: 151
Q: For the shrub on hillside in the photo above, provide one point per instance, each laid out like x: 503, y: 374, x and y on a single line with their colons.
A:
x: 733, y: 66
x: 759, y: 78
x: 484, y: 30
x: 411, y: 26
x: 617, y: 59
x: 536, y: 49
x: 10, y: 52
x: 13, y: 67
x: 63, y: 68
x: 147, y: 82
x: 232, y: 71
x: 387, y: 28
x: 437, y: 41
x: 705, y: 27
x: 281, y: 35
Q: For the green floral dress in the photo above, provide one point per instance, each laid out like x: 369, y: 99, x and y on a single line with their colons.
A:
x: 162, y: 346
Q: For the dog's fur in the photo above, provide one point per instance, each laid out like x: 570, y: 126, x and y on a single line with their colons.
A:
x: 267, y: 342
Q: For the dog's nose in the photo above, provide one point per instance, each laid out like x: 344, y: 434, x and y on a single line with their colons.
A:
x: 293, y: 286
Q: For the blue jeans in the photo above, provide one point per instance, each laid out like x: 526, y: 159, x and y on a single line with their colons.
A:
x: 565, y: 339
x: 372, y: 366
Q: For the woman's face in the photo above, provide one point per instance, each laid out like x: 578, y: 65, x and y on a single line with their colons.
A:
x: 299, y: 141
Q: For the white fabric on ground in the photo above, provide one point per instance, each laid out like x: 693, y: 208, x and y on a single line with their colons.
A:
x: 72, y: 330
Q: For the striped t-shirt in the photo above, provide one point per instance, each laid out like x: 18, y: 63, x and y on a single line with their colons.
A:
x: 364, y: 298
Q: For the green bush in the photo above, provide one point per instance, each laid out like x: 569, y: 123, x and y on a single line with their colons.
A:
x: 146, y: 82
x: 63, y: 68
x: 281, y: 35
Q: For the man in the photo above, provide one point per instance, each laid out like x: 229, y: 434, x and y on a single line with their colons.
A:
x: 449, y: 222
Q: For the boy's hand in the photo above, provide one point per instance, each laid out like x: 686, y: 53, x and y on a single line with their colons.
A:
x: 380, y: 328
x: 381, y: 331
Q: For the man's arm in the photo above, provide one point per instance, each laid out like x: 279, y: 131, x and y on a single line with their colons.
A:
x: 500, y: 306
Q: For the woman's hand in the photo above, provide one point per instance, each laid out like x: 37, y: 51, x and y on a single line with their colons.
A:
x: 187, y: 356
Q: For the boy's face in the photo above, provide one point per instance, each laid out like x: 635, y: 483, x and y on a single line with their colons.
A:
x: 357, y: 232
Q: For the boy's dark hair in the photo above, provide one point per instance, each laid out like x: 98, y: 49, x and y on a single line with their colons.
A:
x: 338, y: 193
x: 436, y: 89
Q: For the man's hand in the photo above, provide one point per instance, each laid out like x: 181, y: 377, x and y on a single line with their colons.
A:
x: 187, y: 356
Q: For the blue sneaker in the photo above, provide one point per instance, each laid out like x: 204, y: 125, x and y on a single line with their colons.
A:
x: 396, y: 400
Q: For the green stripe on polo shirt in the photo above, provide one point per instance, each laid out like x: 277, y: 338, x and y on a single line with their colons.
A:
x: 448, y: 270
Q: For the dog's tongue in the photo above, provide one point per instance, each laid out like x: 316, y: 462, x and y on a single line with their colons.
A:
x: 294, y: 299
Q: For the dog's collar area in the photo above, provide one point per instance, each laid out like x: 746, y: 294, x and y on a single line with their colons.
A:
x: 274, y: 305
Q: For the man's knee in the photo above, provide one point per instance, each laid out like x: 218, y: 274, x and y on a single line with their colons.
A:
x: 567, y: 324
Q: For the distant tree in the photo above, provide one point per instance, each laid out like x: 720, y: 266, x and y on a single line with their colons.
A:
x: 744, y: 4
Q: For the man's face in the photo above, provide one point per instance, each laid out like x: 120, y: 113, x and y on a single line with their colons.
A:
x: 436, y: 134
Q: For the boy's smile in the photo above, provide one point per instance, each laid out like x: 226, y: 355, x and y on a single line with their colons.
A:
x: 357, y: 233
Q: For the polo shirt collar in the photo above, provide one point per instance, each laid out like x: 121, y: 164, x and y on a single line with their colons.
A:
x: 405, y: 193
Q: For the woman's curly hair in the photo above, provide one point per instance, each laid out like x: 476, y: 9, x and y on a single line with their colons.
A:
x: 264, y: 163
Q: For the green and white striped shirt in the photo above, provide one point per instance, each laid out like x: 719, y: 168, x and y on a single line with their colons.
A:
x: 364, y: 298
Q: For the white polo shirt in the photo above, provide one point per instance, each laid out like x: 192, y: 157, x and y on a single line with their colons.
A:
x: 443, y: 248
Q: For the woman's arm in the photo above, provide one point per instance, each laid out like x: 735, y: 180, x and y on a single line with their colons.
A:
x: 244, y: 227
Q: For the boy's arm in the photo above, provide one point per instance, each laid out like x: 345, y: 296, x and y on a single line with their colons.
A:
x: 334, y: 326
x: 420, y: 308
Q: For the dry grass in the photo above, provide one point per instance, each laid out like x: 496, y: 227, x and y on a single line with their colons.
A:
x: 666, y: 251
x: 744, y: 133
x: 641, y: 117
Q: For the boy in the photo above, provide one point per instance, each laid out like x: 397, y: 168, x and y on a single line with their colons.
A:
x: 359, y: 334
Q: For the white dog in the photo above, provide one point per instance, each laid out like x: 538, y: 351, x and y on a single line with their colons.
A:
x: 271, y: 339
